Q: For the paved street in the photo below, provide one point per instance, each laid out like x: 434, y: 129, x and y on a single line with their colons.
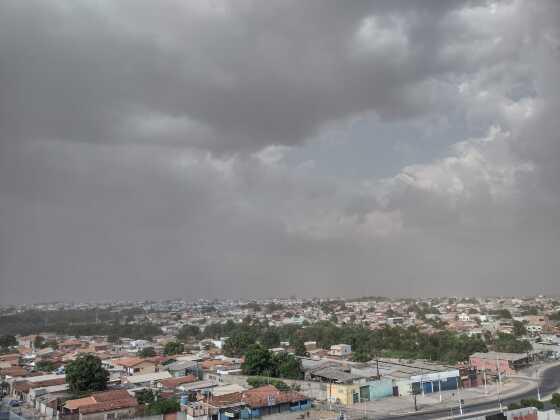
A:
x: 475, y: 399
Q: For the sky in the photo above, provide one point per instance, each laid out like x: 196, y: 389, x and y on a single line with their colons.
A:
x: 219, y: 149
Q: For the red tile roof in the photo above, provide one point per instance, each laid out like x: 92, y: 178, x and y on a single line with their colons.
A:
x: 224, y: 400
x: 131, y: 361
x: 109, y: 405
x: 116, y: 394
x: 264, y: 395
x: 174, y: 382
x: 13, y: 371
x: 49, y: 382
x: 103, y: 401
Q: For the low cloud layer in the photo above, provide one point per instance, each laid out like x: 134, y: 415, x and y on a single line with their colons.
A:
x: 143, y: 149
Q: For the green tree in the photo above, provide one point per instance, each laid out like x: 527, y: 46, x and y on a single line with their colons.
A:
x: 8, y: 341
x: 555, y: 400
x: 287, y: 366
x: 299, y: 347
x: 238, y: 343
x: 53, y: 344
x: 173, y: 347
x: 164, y: 406
x: 259, y: 361
x: 503, y: 313
x: 147, y: 352
x: 85, y: 374
x: 509, y: 344
x: 188, y: 331
x: 532, y: 402
x: 45, y: 366
x: 145, y: 396
x: 361, y: 356
x: 39, y: 342
x: 519, y: 329
x: 256, y: 381
x: 270, y: 339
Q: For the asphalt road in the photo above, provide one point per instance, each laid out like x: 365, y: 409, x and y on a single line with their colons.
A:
x: 550, y: 382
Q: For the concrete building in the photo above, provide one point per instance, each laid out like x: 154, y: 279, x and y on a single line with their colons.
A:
x: 340, y: 350
x: 504, y: 363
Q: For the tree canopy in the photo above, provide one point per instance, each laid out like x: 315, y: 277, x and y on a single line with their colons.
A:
x: 147, y: 352
x: 173, y: 347
x: 260, y: 361
x: 85, y: 374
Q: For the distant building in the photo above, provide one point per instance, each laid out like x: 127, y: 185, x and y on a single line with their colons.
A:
x: 341, y: 350
x: 534, y: 329
x: 395, y: 320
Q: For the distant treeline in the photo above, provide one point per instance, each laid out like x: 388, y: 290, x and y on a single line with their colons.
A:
x: 78, y: 322
x: 407, y: 343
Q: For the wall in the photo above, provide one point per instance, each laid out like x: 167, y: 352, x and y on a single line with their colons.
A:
x: 313, y: 390
x: 548, y: 415
x: 380, y: 389
x: 343, y: 393
x: 490, y: 365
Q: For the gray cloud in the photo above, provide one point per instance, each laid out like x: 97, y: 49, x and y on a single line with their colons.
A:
x: 217, y: 75
x: 142, y: 148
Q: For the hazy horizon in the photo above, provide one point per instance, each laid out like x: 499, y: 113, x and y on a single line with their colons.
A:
x: 238, y: 148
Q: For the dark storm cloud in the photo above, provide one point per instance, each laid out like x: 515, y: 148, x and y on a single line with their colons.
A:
x: 215, y: 75
x: 142, y: 148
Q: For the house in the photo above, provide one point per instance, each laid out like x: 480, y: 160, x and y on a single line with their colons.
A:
x: 172, y: 383
x: 228, y: 406
x: 395, y: 320
x: 340, y: 350
x: 330, y: 374
x: 541, y: 320
x: 343, y: 393
x: 227, y: 389
x: 268, y: 399
x: 147, y: 379
x: 182, y: 368
x: 197, y: 411
x: 26, y: 341
x: 464, y: 317
x: 534, y: 329
x: 9, y: 360
x: 22, y: 389
x: 70, y: 344
x: 103, y: 405
x: 504, y: 363
x: 13, y: 372
x: 135, y: 365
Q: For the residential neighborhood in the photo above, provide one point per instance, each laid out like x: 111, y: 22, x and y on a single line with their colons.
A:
x: 266, y: 358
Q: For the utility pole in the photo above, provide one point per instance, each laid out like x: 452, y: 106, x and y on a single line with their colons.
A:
x: 499, y: 384
x: 459, y: 396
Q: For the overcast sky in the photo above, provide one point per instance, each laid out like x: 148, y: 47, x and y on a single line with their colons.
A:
x: 273, y: 148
